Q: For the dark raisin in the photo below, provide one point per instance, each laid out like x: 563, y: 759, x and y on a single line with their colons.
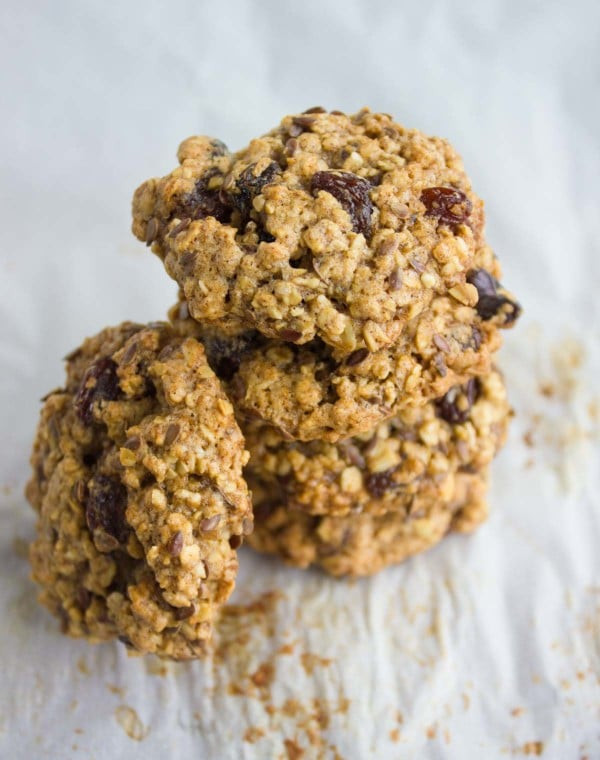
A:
x: 105, y: 507
x: 202, y: 202
x: 249, y: 185
x: 451, y: 207
x: 225, y: 356
x: 315, y: 109
x: 235, y: 541
x: 83, y: 598
x: 182, y: 613
x: 264, y: 510
x: 289, y: 335
x: 352, y: 192
x: 378, y: 483
x: 264, y: 236
x: 356, y: 357
x: 491, y: 302
x: 175, y: 544
x: 455, y: 406
x: 100, y: 382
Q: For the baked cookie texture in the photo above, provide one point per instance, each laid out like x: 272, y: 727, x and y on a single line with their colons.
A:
x: 331, y: 227
x: 364, y: 544
x: 418, y: 453
x: 137, y: 481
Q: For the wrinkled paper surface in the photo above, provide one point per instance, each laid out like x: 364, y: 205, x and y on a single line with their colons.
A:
x: 487, y: 646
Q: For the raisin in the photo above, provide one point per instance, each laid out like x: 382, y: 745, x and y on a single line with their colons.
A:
x: 182, y: 613
x: 248, y: 186
x: 225, y: 356
x: 449, y: 408
x: 100, y: 382
x: 315, y: 109
x: 352, y: 192
x: 105, y: 507
x: 490, y: 301
x: 235, y: 541
x: 290, y: 335
x: 451, y: 207
x: 202, y: 202
x: 378, y: 483
x: 356, y: 357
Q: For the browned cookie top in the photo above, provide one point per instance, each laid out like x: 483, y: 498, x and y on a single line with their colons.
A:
x: 331, y: 227
x: 137, y: 480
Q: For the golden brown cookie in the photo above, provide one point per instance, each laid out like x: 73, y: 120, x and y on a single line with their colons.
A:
x: 330, y: 227
x: 364, y: 544
x: 309, y: 392
x: 418, y: 452
x: 137, y: 480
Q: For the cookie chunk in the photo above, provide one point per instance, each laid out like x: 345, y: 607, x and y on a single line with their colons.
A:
x: 137, y: 480
x: 419, y: 452
x: 364, y: 544
x: 335, y: 228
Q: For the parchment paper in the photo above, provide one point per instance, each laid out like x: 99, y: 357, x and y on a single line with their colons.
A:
x: 486, y: 647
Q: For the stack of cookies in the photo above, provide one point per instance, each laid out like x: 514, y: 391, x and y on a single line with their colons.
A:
x: 339, y: 310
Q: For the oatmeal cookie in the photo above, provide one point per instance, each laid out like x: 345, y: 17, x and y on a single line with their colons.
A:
x: 364, y: 544
x: 137, y: 481
x: 311, y: 392
x: 336, y: 228
x: 419, y: 451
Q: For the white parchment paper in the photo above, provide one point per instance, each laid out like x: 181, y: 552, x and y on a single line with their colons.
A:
x: 485, y: 647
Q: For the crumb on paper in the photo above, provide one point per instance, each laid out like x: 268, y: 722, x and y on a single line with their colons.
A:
x: 310, y: 662
x: 82, y: 666
x: 517, y: 711
x: 114, y: 689
x: 254, y: 734
x: 294, y: 751
x: 431, y: 732
x: 130, y: 722
x: 155, y: 666
x: 395, y: 735
x: 466, y: 700
x: 533, y: 748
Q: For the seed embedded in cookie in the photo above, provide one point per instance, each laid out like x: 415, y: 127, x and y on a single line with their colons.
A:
x: 137, y: 479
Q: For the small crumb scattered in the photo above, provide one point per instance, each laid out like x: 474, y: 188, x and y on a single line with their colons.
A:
x: 431, y: 732
x: 528, y: 438
x: 310, y: 662
x: 395, y: 735
x: 532, y: 748
x: 130, y: 722
x: 517, y: 711
x: 82, y: 666
x: 254, y: 734
x: 294, y: 751
x: 114, y: 689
